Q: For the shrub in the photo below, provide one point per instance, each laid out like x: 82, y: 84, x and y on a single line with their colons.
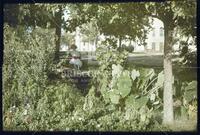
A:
x: 28, y: 58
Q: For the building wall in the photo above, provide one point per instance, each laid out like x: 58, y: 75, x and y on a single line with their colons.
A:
x: 155, y: 41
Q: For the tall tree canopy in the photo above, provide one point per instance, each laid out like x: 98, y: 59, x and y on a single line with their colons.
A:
x: 32, y: 15
x: 121, y: 20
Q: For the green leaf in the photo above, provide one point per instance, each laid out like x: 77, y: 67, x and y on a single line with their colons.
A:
x: 141, y: 102
x: 135, y: 74
x: 114, y: 97
x: 132, y: 102
x: 160, y: 79
x: 142, y: 117
x: 189, y: 95
x: 191, y: 85
x: 113, y: 18
x: 150, y: 74
x: 156, y: 102
x: 124, y: 84
x: 184, y: 113
x: 116, y: 70
x: 105, y: 93
x: 152, y: 97
x: 190, y: 91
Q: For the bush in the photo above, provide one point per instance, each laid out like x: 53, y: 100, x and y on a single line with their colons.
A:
x: 28, y: 58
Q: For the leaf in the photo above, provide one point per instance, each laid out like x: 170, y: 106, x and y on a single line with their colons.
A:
x: 105, y: 93
x: 184, y: 113
x: 143, y: 72
x: 142, y: 117
x: 131, y: 102
x: 130, y: 114
x: 190, y: 91
x: 150, y: 74
x: 155, y: 103
x: 189, y: 95
x: 141, y: 102
x: 152, y: 97
x: 135, y: 74
x: 116, y: 70
x: 160, y: 79
x: 191, y: 85
x: 124, y: 84
x: 113, y: 18
x: 114, y: 97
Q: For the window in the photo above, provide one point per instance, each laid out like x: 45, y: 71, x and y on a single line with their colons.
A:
x: 153, y: 45
x: 161, y: 32
x: 157, y: 47
x: 161, y: 46
x: 153, y: 32
x: 148, y: 47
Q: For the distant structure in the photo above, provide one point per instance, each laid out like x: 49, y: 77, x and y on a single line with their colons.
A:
x: 81, y: 45
x: 155, y: 38
x: 63, y: 47
x: 155, y: 41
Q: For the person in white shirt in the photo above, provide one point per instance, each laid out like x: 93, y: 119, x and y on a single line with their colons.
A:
x: 75, y: 57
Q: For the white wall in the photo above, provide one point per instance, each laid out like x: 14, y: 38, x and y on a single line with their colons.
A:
x: 63, y: 47
x: 156, y: 39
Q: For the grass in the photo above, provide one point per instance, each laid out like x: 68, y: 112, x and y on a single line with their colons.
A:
x: 184, y: 125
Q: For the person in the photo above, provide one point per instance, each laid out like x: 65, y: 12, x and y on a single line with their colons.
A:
x: 75, y: 57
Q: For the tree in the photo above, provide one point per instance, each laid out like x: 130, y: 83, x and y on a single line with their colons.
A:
x: 67, y: 38
x: 183, y: 19
x: 121, y: 20
x: 58, y: 24
x: 11, y: 14
x: 32, y: 15
x: 124, y: 20
x: 90, y: 31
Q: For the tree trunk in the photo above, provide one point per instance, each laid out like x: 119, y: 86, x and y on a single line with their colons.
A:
x: 120, y: 43
x: 168, y: 117
x: 58, y: 21
x: 95, y: 44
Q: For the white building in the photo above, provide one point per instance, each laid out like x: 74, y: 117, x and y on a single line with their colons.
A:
x: 155, y: 38
x: 81, y: 45
x: 63, y: 47
x: 155, y: 41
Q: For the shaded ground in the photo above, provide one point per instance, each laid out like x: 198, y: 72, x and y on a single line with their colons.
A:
x: 184, y: 125
x: 154, y: 61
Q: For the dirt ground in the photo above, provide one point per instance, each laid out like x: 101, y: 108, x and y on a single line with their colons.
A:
x: 184, y: 125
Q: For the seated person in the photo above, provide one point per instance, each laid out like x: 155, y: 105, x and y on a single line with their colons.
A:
x: 75, y: 57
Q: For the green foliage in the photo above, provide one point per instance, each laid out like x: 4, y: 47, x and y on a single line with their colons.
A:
x: 134, y: 74
x: 160, y: 79
x: 67, y: 38
x: 136, y: 103
x: 28, y: 15
x: 110, y: 60
x: 90, y: 31
x: 56, y: 105
x: 28, y: 59
x: 131, y: 91
x: 128, y: 97
x: 190, y: 91
x: 124, y: 84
